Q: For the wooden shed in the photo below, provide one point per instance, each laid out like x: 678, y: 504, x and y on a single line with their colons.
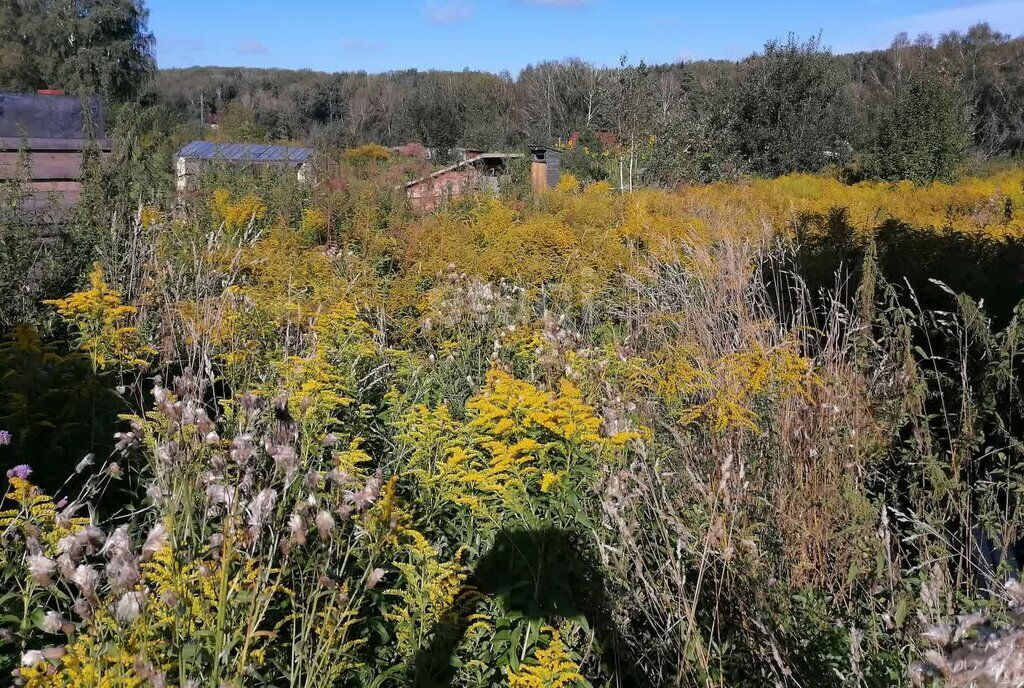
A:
x: 478, y: 172
x: 43, y: 137
x: 545, y: 168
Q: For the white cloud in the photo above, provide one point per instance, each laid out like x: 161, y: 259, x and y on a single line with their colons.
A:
x: 251, y: 47
x: 449, y: 11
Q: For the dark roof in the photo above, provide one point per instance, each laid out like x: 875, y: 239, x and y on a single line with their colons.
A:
x: 246, y: 152
x: 541, y: 153
x: 50, y: 117
x: 464, y: 163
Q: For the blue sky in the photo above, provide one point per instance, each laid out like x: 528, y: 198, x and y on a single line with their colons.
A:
x: 341, y: 35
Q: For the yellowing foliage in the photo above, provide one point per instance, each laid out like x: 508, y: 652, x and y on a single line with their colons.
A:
x: 586, y: 239
x: 519, y: 440
x: 568, y: 183
x: 552, y: 667
x: 991, y: 205
x: 34, y: 513
x: 101, y: 318
x: 601, y: 188
x: 236, y: 214
x: 721, y: 394
x: 314, y: 221
x: 370, y: 152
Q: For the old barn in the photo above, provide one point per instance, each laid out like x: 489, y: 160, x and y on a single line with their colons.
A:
x: 43, y: 138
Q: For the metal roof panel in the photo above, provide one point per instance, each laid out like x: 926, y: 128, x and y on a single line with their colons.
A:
x: 246, y: 152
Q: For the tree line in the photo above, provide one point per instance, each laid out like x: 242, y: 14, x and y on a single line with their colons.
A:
x: 917, y: 110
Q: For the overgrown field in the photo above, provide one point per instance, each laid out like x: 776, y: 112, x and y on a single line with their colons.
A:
x: 748, y: 434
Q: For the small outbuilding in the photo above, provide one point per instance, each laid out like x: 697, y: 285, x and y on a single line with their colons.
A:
x: 191, y: 160
x: 545, y: 168
x: 477, y: 172
x: 43, y: 138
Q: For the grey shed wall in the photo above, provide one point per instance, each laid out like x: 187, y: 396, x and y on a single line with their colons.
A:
x: 554, y: 161
x: 42, y: 142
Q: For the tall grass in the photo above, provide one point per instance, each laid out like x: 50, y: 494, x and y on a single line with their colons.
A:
x: 616, y: 440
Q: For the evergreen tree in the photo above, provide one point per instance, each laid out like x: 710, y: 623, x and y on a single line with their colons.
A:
x: 86, y: 47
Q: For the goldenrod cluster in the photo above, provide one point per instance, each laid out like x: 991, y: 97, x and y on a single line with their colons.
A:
x: 722, y: 394
x: 236, y: 214
x: 552, y: 667
x: 89, y: 663
x: 150, y: 215
x: 102, y: 320
x: 35, y: 514
x: 519, y: 439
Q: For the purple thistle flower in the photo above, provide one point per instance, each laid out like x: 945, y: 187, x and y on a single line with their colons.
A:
x: 22, y: 471
x: 5, y: 438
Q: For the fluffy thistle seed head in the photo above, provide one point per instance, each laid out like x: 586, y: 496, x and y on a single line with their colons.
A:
x: 91, y: 538
x: 297, y: 529
x: 32, y: 657
x: 67, y: 514
x: 86, y: 461
x: 123, y: 573
x: 129, y: 606
x: 219, y: 497
x: 285, y: 458
x: 85, y: 579
x: 82, y: 608
x: 118, y: 545
x: 242, y: 449
x: 41, y: 568
x: 52, y: 622
x: 156, y: 541
x: 324, y: 524
x: 260, y: 508
x: 375, y: 578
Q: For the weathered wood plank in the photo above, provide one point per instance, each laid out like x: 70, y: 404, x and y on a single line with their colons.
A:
x: 539, y: 176
x: 40, y: 157
x: 57, y: 186
x: 45, y: 172
x: 12, y: 143
x: 66, y: 199
x: 70, y: 168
